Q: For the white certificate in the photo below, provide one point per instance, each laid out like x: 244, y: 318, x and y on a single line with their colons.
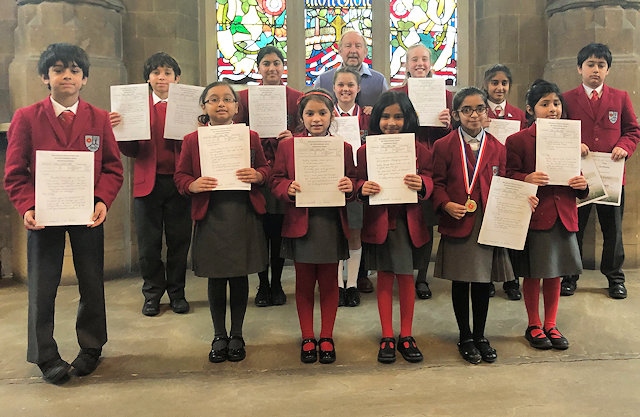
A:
x: 348, y: 128
x: 590, y: 172
x: 429, y: 98
x: 611, y: 173
x: 183, y: 109
x: 503, y: 128
x: 319, y: 163
x: 268, y: 109
x: 389, y: 159
x: 507, y: 215
x: 223, y: 151
x: 558, y: 149
x: 132, y: 102
x: 64, y: 188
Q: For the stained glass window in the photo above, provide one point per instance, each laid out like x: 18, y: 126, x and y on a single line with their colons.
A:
x: 245, y: 26
x: 325, y: 21
x: 432, y: 22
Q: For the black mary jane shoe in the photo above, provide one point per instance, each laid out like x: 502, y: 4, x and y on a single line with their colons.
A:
x: 423, y: 291
x: 558, y: 341
x: 309, y: 356
x: 469, y: 351
x: 541, y: 341
x: 387, y: 352
x: 327, y: 356
x: 219, y: 355
x: 488, y: 353
x: 237, y: 354
x: 409, y: 350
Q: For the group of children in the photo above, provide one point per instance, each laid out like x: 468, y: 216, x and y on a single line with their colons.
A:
x: 234, y: 231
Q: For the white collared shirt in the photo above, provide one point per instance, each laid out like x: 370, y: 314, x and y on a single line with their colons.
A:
x: 59, y: 108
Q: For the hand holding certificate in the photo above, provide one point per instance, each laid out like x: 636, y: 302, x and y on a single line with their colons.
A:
x: 132, y: 102
x: 508, y: 213
x: 225, y: 149
x: 319, y: 163
x: 558, y: 149
x: 64, y: 188
x: 608, y: 175
x: 389, y: 159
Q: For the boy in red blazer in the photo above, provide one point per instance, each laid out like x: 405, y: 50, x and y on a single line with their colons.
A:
x: 609, y: 124
x: 157, y: 205
x: 63, y: 122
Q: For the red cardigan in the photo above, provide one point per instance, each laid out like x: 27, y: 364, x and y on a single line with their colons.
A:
x: 448, y: 180
x: 376, y: 218
x: 189, y: 170
x: 296, y: 219
x: 555, y: 200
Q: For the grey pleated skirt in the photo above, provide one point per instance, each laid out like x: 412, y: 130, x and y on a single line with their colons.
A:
x: 397, y: 254
x: 355, y: 214
x: 464, y: 259
x: 324, y: 242
x: 230, y: 240
x: 548, y: 254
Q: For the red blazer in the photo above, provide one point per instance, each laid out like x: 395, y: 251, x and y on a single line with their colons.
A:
x: 615, y: 124
x: 36, y: 128
x: 296, y: 219
x: 144, y: 166
x: 427, y: 135
x: 376, y: 218
x: 555, y: 200
x: 189, y: 170
x: 270, y: 145
x: 510, y: 113
x: 448, y: 179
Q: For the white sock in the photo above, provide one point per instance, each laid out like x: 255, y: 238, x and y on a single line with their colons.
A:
x: 340, y: 277
x: 353, y: 266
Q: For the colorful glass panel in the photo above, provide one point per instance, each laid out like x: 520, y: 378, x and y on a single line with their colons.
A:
x: 325, y: 21
x: 243, y: 27
x: 432, y: 22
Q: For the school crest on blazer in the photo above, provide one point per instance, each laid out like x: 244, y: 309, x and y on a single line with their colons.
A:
x: 92, y: 142
x: 613, y: 116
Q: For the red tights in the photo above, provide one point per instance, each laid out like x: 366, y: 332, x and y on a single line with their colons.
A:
x: 306, y: 277
x: 407, y: 294
x: 551, y: 296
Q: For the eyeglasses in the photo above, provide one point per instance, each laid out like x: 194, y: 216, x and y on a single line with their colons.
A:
x: 468, y: 111
x: 216, y: 100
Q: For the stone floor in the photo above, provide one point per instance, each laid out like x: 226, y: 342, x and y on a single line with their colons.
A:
x: 157, y: 366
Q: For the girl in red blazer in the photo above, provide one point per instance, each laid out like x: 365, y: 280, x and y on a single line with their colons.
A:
x: 419, y: 66
x: 396, y: 235
x: 346, y: 85
x: 464, y: 163
x: 497, y: 81
x: 551, y: 249
x: 315, y: 238
x: 228, y: 240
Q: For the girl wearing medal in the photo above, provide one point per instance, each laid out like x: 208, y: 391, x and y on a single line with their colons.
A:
x: 551, y: 249
x: 464, y: 163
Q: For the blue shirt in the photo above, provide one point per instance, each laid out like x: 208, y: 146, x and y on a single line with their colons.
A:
x: 372, y: 85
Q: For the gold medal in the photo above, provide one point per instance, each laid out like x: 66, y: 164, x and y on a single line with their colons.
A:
x: 470, y: 205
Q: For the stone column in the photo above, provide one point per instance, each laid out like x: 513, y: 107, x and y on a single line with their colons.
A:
x: 513, y: 33
x: 616, y: 23
x: 95, y: 25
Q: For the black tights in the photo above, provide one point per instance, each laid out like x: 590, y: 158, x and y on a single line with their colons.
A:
x: 272, y: 224
x: 479, y: 304
x: 238, y: 295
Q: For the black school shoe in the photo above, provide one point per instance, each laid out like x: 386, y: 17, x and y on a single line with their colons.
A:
x: 423, y: 291
x: 409, y: 350
x: 180, y: 306
x: 327, y: 356
x: 263, y: 297
x: 352, y: 297
x: 221, y: 353
x: 488, y: 353
x: 469, y: 351
x: 309, y: 356
x: 558, y: 341
x: 538, y: 342
x: 55, y: 371
x: 87, y: 361
x: 151, y: 308
x: 236, y: 354
x: 387, y: 352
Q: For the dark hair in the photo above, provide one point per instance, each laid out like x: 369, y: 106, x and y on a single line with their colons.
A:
x: 269, y: 49
x: 492, y: 71
x: 459, y: 98
x: 66, y: 53
x: 158, y: 60
x: 598, y: 50
x: 538, y: 90
x: 347, y: 70
x: 387, y: 99
x: 317, y: 94
x: 204, y: 118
